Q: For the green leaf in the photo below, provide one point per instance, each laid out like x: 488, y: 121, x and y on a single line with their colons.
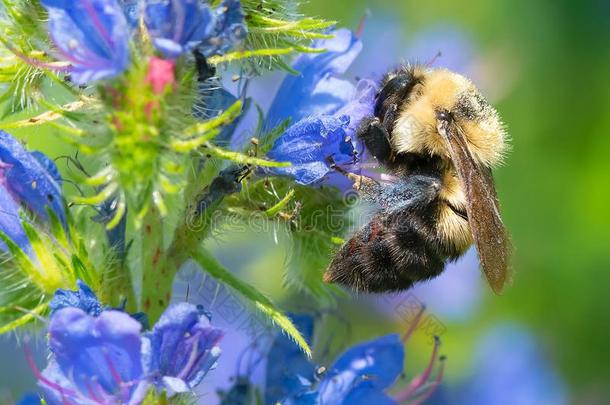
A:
x: 209, y: 264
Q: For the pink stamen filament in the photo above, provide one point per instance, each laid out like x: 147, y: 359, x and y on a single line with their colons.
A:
x: 113, y: 371
x: 92, y: 393
x: 30, y: 360
x: 98, y: 24
x: 193, y: 357
x: 433, y: 386
x: 421, y: 379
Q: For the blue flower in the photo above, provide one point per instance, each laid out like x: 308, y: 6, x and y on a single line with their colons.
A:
x: 327, y: 111
x: 179, y: 26
x: 83, y: 299
x: 316, y: 90
x: 94, y: 360
x: 30, y: 180
x: 360, y: 374
x: 289, y: 371
x: 313, y: 145
x: 93, y: 35
x: 181, y: 348
x: 364, y: 371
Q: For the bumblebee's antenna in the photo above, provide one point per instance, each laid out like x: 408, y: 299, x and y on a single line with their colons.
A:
x: 433, y: 60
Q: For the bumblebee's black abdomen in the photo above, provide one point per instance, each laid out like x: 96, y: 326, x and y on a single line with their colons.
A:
x: 385, y: 255
x: 397, y: 247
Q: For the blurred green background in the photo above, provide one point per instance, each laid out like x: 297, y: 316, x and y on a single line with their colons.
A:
x: 546, y: 66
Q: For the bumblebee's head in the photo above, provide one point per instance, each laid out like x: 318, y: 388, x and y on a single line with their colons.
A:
x: 420, y: 94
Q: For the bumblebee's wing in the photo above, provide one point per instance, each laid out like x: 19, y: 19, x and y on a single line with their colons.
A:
x: 488, y: 231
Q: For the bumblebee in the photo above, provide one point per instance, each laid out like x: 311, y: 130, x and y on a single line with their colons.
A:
x: 439, y: 138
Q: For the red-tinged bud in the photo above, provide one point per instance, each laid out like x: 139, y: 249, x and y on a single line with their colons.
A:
x: 161, y: 74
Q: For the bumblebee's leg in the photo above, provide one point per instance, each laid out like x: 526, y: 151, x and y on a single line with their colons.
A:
x: 390, y: 117
x: 376, y: 139
x: 204, y: 69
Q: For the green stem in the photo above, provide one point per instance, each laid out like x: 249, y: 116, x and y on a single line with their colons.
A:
x: 159, y: 265
x: 157, y: 275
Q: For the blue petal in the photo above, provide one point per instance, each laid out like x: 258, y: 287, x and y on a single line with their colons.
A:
x: 182, y: 344
x: 48, y: 164
x: 289, y: 371
x: 316, y: 89
x: 102, y: 352
x: 84, y: 299
x: 10, y: 223
x: 308, y: 398
x: 28, y: 182
x: 178, y: 26
x: 379, y: 362
x: 93, y: 35
x: 309, y: 144
x: 360, y: 106
x: 367, y: 393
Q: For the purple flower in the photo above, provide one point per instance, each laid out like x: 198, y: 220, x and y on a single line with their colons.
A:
x: 317, y: 90
x: 84, y: 299
x: 30, y: 180
x: 93, y: 35
x: 179, y: 26
x: 181, y: 348
x: 94, y: 360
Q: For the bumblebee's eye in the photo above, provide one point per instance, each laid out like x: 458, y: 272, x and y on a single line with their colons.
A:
x: 394, y: 92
